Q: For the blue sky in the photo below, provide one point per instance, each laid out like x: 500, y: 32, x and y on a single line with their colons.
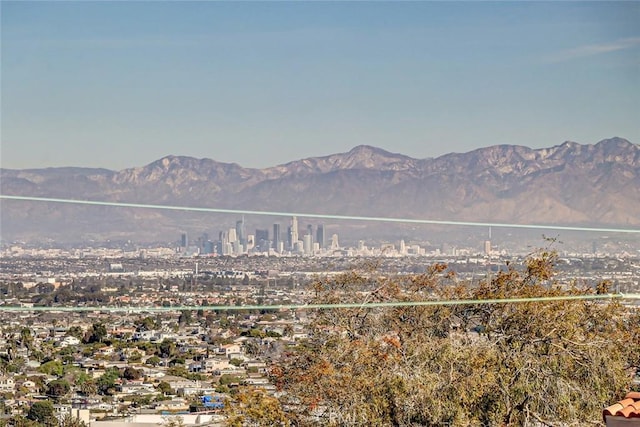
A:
x: 121, y: 84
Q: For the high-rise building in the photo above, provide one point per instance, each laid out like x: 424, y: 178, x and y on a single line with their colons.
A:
x: 240, y: 234
x: 310, y: 231
x: 294, y: 232
x: 307, y: 246
x: 334, y: 242
x: 184, y: 240
x: 262, y: 235
x: 276, y: 237
x: 320, y: 235
x: 202, y: 241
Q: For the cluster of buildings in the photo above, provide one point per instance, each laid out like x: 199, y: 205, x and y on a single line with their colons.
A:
x: 236, y: 241
x: 203, y: 361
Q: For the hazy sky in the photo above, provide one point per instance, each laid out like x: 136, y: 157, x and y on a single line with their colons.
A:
x: 121, y: 84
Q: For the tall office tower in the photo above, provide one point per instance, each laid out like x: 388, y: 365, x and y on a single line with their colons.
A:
x: 276, y: 237
x: 310, y: 232
x: 240, y: 231
x: 232, y: 235
x: 202, y: 241
x: 334, y: 242
x: 238, y: 248
x: 294, y: 231
x: 487, y: 247
x: 262, y: 235
x: 320, y: 235
x: 184, y: 240
x: 307, y: 247
x: 251, y: 242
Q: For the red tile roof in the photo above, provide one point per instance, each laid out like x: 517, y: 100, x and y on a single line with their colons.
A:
x: 629, y: 407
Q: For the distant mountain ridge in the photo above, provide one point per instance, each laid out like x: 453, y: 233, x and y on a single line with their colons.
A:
x: 565, y: 184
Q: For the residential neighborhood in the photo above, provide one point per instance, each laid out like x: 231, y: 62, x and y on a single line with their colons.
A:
x: 155, y: 340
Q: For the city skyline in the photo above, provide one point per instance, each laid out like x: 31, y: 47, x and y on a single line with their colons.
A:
x: 116, y: 84
x: 237, y: 241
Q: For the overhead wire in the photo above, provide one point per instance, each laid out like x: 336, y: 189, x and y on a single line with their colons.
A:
x: 322, y: 216
x: 619, y: 296
x: 284, y: 307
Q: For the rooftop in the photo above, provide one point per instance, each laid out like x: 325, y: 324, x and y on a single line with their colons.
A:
x: 628, y: 408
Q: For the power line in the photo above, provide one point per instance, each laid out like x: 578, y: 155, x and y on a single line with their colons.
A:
x: 130, y: 309
x: 320, y: 216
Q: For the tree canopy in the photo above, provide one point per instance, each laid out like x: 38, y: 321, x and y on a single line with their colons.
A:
x: 509, y: 364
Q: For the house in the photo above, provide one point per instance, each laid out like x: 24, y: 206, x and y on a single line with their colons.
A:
x: 7, y: 385
x: 214, y: 364
x: 625, y: 413
x: 136, y: 387
x: 173, y: 405
x: 28, y: 384
x: 177, y: 383
x: 145, y: 335
x: 105, y: 351
x: 229, y: 349
x: 255, y: 365
x: 152, y: 373
x: 69, y: 341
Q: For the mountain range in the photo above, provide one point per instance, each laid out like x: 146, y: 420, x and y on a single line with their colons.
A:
x: 567, y: 184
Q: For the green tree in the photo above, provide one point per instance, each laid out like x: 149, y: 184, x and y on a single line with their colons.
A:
x: 185, y: 317
x: 58, y: 388
x: 154, y: 361
x: 236, y: 362
x: 20, y: 421
x: 167, y: 348
x: 131, y: 373
x: 106, y: 384
x: 75, y: 331
x: 164, y: 387
x: 42, y: 412
x: 146, y: 324
x: 227, y: 379
x: 135, y: 357
x: 53, y: 367
x: 96, y: 333
x: 26, y: 338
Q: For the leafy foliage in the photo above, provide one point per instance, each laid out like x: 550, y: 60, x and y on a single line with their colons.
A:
x: 106, y: 384
x: 506, y: 364
x: 253, y: 407
x: 43, y: 413
x: 131, y: 373
x: 58, y: 388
